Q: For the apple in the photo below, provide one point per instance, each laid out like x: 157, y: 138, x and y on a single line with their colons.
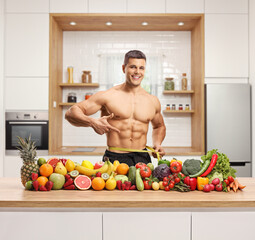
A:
x: 98, y: 165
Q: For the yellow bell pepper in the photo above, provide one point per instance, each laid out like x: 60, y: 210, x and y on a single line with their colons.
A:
x: 201, y: 181
x: 174, y: 160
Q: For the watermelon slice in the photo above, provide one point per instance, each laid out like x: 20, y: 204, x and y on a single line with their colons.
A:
x: 53, y: 162
x: 82, y: 182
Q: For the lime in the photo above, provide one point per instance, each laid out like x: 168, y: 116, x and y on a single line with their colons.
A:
x: 87, y: 164
x: 105, y: 176
x: 41, y: 161
x: 74, y: 173
x: 29, y: 185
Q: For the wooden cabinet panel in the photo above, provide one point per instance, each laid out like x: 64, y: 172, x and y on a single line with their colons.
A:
x: 68, y: 6
x: 146, y: 6
x: 226, y: 225
x: 27, y: 45
x: 51, y: 225
x: 146, y: 225
x: 26, y: 6
x: 226, y: 45
x: 226, y: 6
x: 110, y: 6
x: 184, y: 6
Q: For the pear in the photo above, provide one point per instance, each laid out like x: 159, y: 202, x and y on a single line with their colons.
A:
x: 60, y: 168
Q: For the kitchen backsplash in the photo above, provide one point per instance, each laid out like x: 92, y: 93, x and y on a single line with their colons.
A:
x: 168, y: 55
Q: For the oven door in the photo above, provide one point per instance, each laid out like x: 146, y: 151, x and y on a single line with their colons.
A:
x: 37, y: 129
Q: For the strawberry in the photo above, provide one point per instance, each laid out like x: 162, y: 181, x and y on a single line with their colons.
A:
x: 36, y: 185
x: 119, y: 184
x: 49, y: 185
x: 70, y: 187
x: 123, y: 186
x: 42, y: 188
x: 127, y: 185
x: 34, y: 176
x: 67, y: 176
x: 98, y: 174
x: 133, y: 187
x: 68, y: 182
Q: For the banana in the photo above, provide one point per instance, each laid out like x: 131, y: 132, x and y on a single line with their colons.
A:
x: 90, y: 172
x: 110, y: 168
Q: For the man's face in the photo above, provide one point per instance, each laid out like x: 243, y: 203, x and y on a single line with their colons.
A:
x: 134, y: 71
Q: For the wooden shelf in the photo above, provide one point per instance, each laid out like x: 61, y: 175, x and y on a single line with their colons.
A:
x: 178, y: 92
x: 178, y: 111
x: 66, y: 104
x: 79, y: 84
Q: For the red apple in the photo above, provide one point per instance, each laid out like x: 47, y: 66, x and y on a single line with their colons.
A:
x: 98, y: 165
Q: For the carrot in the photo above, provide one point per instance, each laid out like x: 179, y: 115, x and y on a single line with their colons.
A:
x: 231, y: 184
x: 240, y: 186
x: 228, y: 187
x: 235, y: 185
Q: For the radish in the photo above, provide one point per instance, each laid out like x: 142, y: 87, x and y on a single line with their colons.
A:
x: 207, y: 188
x: 212, y: 186
x: 216, y: 181
x: 219, y: 187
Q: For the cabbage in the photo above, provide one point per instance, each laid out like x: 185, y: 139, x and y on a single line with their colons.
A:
x: 161, y: 171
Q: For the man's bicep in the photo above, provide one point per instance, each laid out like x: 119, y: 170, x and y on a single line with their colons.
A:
x: 158, y: 120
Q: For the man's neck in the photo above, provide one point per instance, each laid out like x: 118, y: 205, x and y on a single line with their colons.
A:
x: 131, y: 88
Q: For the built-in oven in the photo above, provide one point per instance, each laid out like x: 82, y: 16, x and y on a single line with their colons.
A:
x: 24, y: 124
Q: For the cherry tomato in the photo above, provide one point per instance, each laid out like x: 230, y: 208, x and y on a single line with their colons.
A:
x: 175, y: 175
x: 172, y: 181
x: 226, y: 181
x: 182, y: 175
x: 165, y: 179
x: 171, y: 185
x: 230, y: 179
x: 167, y: 188
x: 165, y: 183
x: 177, y: 180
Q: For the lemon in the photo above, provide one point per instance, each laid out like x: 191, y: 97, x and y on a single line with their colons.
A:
x: 87, y: 164
x: 110, y: 183
x: 69, y: 165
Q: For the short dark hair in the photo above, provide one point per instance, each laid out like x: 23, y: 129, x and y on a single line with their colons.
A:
x: 134, y: 54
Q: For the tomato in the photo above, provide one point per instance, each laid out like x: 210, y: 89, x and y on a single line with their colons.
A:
x: 175, y: 167
x: 182, y: 175
x: 175, y: 175
x: 226, y: 181
x: 165, y: 179
x: 167, y: 188
x: 171, y: 185
x: 140, y: 165
x: 230, y: 179
x: 147, y: 184
x: 165, y: 183
x: 172, y: 181
x: 145, y: 172
x: 177, y: 180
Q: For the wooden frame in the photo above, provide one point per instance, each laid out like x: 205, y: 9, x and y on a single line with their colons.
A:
x: 127, y: 22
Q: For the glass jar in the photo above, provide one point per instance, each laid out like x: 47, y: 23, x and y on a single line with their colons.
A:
x: 187, y: 107
x: 168, y: 107
x: 184, y: 82
x: 173, y: 107
x: 169, y: 84
x: 88, y: 95
x: 86, y: 77
x: 180, y: 107
x: 71, y: 97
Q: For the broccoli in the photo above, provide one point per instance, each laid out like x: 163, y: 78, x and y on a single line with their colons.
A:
x: 191, y: 166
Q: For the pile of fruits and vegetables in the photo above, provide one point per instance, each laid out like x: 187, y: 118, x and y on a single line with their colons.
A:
x: 211, y: 172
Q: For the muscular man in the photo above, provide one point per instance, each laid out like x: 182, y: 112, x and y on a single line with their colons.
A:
x: 126, y: 111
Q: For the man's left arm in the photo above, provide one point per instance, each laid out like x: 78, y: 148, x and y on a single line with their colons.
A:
x: 159, y: 129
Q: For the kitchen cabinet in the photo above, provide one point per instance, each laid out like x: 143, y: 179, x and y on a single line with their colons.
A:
x: 110, y: 6
x: 27, y: 6
x: 184, y: 6
x: 226, y: 225
x: 12, y: 165
x: 226, y: 6
x: 27, y: 45
x: 68, y: 6
x: 146, y: 6
x: 146, y: 225
x: 226, y: 45
x: 51, y: 225
x: 26, y: 93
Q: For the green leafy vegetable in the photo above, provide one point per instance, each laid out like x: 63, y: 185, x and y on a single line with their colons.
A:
x: 222, y: 166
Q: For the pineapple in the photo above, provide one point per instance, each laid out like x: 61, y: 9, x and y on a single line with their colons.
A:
x: 27, y: 153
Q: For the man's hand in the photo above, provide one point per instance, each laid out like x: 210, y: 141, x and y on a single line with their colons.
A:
x: 158, y: 149
x: 101, y: 125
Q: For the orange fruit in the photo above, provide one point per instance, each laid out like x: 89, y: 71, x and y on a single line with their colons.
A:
x: 98, y: 183
x: 122, y: 169
x: 46, y: 170
x: 42, y: 180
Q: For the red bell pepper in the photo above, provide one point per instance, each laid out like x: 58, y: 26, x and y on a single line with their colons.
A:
x: 211, y: 166
x: 192, y: 182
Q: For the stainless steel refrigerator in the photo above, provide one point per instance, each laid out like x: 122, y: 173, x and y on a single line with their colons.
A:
x: 228, y: 123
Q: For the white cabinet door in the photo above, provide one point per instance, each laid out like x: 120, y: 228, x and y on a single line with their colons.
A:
x: 110, y: 6
x: 68, y: 6
x: 146, y: 225
x: 51, y: 225
x: 27, y: 6
x: 27, y: 45
x: 226, y: 45
x: 26, y: 93
x: 226, y: 6
x: 146, y: 6
x: 185, y: 6
x: 223, y: 225
x: 12, y: 165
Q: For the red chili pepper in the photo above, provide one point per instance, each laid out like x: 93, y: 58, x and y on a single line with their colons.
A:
x: 211, y: 166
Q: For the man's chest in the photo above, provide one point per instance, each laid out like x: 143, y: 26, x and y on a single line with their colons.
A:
x: 139, y: 108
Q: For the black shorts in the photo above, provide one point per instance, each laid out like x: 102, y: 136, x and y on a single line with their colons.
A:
x: 131, y: 159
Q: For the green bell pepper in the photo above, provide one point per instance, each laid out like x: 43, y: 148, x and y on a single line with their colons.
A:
x: 162, y: 161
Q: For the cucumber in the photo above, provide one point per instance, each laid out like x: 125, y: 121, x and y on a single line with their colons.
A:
x: 202, y: 170
x: 139, y: 181
x: 131, y: 174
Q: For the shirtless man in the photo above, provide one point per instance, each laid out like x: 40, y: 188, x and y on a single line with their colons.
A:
x: 126, y: 111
